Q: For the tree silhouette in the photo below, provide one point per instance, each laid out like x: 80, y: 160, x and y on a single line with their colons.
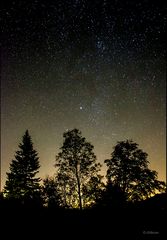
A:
x: 50, y: 193
x: 21, y: 182
x: 111, y: 197
x: 93, y: 190
x: 128, y: 169
x: 76, y: 165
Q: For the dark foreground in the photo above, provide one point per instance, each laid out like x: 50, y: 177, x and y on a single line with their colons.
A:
x: 133, y: 222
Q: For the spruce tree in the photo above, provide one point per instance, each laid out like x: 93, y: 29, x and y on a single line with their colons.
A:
x: 21, y: 182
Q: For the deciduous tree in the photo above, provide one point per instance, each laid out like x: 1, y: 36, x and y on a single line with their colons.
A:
x: 76, y: 165
x: 128, y: 169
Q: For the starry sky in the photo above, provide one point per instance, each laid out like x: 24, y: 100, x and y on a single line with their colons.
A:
x: 98, y: 66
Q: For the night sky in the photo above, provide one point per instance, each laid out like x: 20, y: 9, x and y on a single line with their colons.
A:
x: 98, y: 66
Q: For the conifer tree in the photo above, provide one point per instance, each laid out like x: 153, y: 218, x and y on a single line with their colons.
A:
x: 21, y: 182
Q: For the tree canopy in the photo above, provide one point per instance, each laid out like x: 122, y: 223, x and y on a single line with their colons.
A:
x: 128, y: 169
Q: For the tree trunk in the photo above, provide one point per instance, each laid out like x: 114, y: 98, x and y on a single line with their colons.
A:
x: 79, y: 189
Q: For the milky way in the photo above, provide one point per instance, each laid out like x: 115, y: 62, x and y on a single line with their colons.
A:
x: 95, y: 65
